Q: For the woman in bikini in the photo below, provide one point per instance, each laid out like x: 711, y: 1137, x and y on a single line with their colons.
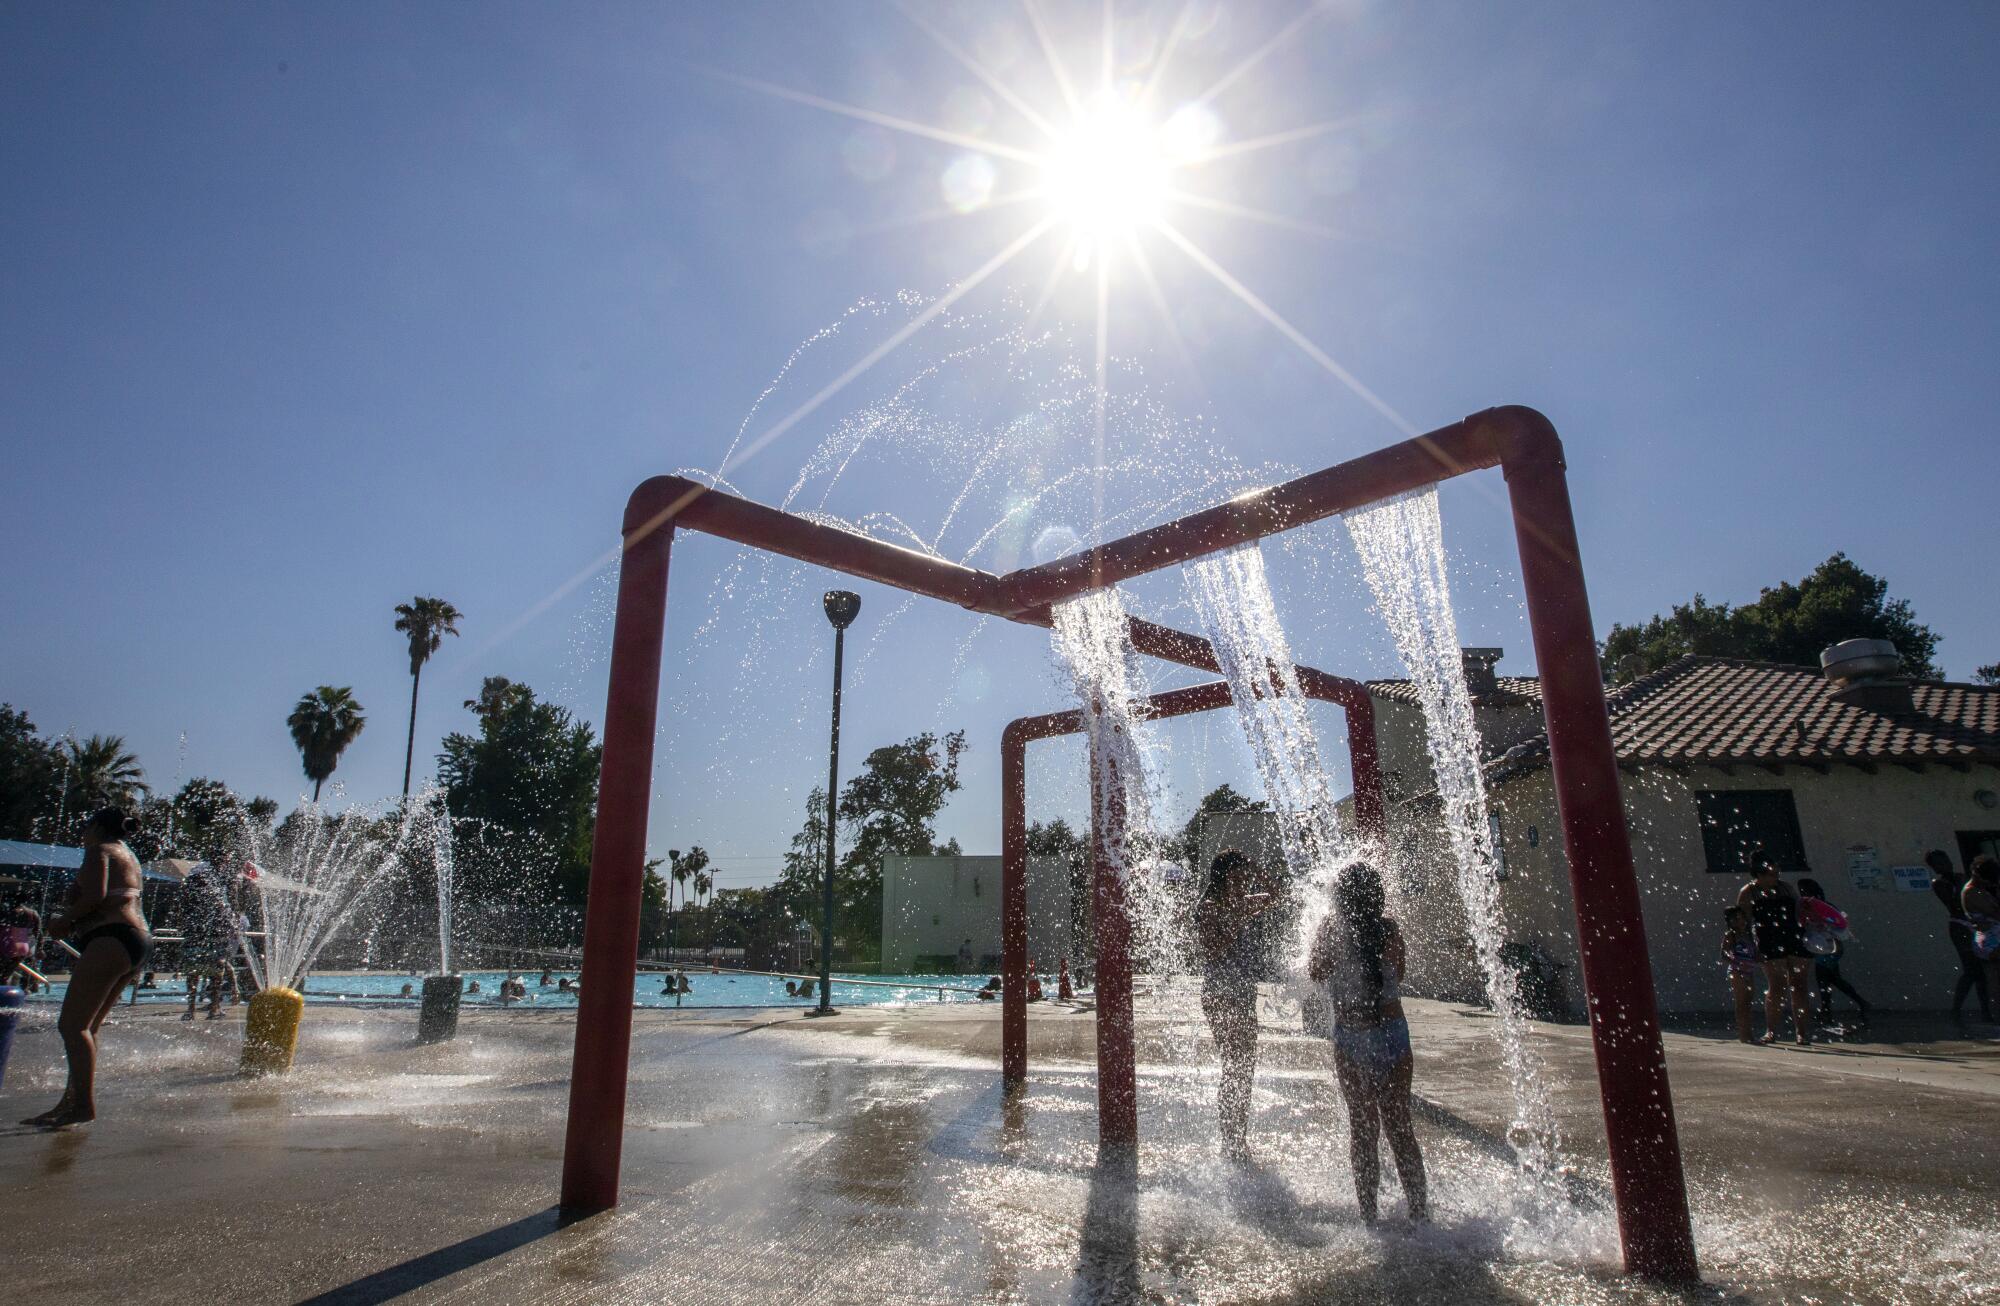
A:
x: 111, y: 940
x: 1358, y: 957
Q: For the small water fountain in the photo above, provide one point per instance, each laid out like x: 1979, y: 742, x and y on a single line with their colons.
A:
x: 310, y: 879
x: 437, y: 1018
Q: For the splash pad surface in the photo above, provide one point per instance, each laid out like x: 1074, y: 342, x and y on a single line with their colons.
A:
x: 871, y: 1158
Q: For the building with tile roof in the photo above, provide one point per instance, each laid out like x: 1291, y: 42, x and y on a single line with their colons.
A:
x: 1851, y: 786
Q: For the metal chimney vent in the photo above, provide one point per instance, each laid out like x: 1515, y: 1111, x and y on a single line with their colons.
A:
x: 1867, y: 673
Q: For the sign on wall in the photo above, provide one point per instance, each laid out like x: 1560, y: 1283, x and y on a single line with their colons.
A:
x: 1912, y: 879
x: 1864, y: 868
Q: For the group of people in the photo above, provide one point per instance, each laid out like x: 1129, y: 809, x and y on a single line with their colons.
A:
x: 1795, y: 938
x: 1356, y: 966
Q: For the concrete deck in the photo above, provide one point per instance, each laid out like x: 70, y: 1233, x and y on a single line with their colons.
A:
x: 871, y: 1158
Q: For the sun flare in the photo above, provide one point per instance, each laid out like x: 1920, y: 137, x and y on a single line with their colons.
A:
x: 1111, y: 172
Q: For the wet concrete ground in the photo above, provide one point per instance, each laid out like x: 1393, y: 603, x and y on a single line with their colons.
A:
x: 872, y: 1159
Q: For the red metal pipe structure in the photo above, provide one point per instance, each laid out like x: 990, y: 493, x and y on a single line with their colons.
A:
x: 1370, y: 814
x: 1646, y: 1174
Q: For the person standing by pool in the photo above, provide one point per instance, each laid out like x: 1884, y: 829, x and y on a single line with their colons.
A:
x: 1232, y: 953
x: 207, y: 938
x: 1359, y: 957
x: 1781, y: 947
x: 111, y: 940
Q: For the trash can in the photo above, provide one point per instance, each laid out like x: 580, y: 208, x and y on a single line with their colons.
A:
x: 11, y: 1001
x: 437, y: 1019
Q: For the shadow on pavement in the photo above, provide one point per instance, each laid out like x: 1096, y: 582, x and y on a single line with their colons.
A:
x: 421, y: 1271
x: 1107, y: 1268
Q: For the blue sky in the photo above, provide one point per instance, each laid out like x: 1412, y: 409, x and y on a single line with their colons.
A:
x: 310, y: 309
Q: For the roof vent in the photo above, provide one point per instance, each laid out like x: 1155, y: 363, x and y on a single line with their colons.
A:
x: 1480, y: 681
x: 1867, y: 673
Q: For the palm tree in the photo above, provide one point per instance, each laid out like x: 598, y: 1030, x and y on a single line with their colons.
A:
x: 497, y: 695
x: 323, y: 724
x: 103, y: 774
x: 426, y: 622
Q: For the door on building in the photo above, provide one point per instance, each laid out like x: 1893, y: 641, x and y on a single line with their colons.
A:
x: 1971, y: 843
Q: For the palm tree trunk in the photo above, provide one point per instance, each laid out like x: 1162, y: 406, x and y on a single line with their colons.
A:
x: 410, y: 748
x: 316, y: 785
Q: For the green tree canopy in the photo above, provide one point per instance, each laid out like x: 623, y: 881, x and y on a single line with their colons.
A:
x: 1223, y: 798
x: 889, y: 809
x: 1987, y: 675
x: 31, y: 778
x: 529, y: 777
x: 1789, y: 622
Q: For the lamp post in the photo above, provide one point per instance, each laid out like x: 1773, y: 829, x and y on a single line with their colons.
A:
x: 842, y: 607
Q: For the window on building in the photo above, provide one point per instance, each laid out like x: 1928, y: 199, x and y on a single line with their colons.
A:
x: 1734, y: 821
x: 1499, y: 845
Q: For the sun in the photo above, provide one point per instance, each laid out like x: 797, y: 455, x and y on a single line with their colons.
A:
x: 1111, y: 171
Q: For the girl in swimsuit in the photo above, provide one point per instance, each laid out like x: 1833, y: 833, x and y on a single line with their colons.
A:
x: 111, y: 941
x: 1359, y: 957
x: 1781, y: 947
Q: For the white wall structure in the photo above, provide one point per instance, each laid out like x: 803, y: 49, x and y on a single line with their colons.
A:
x: 932, y: 905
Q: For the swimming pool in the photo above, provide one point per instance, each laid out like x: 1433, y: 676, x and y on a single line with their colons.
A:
x: 723, y: 990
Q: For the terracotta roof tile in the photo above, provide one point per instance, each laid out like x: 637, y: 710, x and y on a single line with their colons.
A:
x: 1514, y: 690
x: 1707, y: 710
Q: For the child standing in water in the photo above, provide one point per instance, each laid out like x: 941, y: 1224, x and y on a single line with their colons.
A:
x: 1739, y: 956
x: 1358, y: 957
x: 1232, y: 952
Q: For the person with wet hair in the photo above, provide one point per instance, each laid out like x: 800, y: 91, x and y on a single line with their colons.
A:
x: 1948, y: 885
x: 1232, y: 953
x: 1781, y: 947
x: 1358, y: 957
x: 111, y: 940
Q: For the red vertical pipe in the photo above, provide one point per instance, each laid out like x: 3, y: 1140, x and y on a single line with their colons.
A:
x: 1646, y: 1176
x: 596, y: 1130
x: 1371, y: 815
x: 1013, y: 905
x: 1117, y: 1069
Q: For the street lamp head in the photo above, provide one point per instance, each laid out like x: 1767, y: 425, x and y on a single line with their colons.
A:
x: 842, y: 607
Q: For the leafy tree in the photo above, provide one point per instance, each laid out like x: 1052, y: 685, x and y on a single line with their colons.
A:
x: 261, y: 811
x: 529, y: 777
x: 889, y: 809
x: 1987, y: 675
x: 1788, y: 623
x: 31, y: 777
x: 103, y: 774
x: 496, y: 694
x: 1056, y: 839
x: 202, y: 823
x: 426, y: 622
x: 1223, y: 798
x: 323, y: 723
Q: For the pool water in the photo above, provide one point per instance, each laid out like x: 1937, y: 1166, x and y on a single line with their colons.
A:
x: 708, y: 990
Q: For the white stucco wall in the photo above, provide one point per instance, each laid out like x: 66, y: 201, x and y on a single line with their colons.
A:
x: 1899, y: 957
x: 931, y: 905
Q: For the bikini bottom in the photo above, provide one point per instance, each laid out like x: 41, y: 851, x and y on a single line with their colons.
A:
x: 129, y: 937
